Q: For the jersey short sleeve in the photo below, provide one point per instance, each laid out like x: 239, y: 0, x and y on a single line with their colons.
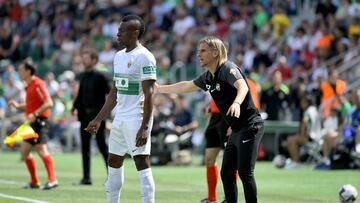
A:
x: 148, y: 67
x: 42, y: 91
x: 231, y: 73
x: 201, y: 81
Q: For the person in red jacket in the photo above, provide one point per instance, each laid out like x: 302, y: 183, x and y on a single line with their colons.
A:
x: 215, y: 136
x: 37, y: 108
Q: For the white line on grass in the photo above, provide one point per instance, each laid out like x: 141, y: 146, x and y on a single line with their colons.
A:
x: 9, y: 182
x: 21, y: 198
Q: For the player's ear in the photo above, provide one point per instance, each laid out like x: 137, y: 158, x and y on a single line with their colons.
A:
x: 137, y: 33
x: 215, y: 53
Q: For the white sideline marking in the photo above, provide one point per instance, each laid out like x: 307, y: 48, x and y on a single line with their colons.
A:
x: 9, y: 182
x: 21, y: 198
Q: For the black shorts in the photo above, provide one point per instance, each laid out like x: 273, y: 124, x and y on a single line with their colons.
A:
x: 41, y: 127
x: 215, y: 133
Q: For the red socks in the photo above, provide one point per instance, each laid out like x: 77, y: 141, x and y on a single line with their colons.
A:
x: 49, y: 165
x: 31, y: 166
x: 212, y: 175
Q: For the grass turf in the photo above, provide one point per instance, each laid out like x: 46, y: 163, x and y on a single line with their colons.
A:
x: 174, y: 184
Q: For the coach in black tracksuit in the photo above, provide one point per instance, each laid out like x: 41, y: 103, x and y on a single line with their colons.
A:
x: 228, y: 87
x: 91, y: 97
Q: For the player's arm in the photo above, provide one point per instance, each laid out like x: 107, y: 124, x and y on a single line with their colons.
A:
x: 47, y: 104
x: 177, y: 88
x: 13, y: 103
x: 242, y: 90
x: 303, y: 124
x: 148, y: 87
x: 109, y: 104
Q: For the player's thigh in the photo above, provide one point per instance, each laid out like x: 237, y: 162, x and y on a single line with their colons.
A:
x: 42, y: 150
x: 213, y: 133
x: 130, y: 130
x: 25, y: 149
x: 247, y: 142
x: 117, y: 142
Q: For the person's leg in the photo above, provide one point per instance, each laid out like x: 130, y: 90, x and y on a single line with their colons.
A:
x: 147, y: 184
x: 30, y: 162
x: 228, y: 172
x: 100, y: 140
x: 85, y: 152
x: 247, y: 142
x: 115, y: 178
x: 357, y: 140
x: 117, y: 149
x: 329, y: 140
x: 212, y: 171
x: 294, y: 142
x: 48, y: 161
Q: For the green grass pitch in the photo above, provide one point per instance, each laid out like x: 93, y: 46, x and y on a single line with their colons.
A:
x: 174, y: 184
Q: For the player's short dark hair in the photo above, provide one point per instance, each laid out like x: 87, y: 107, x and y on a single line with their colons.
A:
x: 128, y: 18
x: 29, y: 65
x: 93, y: 54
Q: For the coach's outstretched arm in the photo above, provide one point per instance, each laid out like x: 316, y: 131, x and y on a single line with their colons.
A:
x: 104, y: 112
x: 177, y: 88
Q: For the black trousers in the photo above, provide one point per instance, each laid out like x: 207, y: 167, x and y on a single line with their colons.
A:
x: 240, y: 155
x: 86, y: 145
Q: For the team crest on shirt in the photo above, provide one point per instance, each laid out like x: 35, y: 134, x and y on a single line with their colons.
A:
x: 217, y: 87
x: 129, y: 64
x: 233, y: 71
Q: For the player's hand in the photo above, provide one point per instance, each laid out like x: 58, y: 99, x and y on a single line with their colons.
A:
x: 234, y: 110
x: 141, y: 137
x: 156, y: 88
x: 229, y: 132
x: 74, y: 111
x: 13, y: 103
x: 31, y: 118
x: 93, y: 127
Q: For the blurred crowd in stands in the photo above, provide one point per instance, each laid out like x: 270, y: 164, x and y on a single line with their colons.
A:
x: 288, y: 48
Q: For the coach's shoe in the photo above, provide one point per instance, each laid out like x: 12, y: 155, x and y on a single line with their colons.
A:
x: 50, y: 185
x: 32, y: 186
x: 85, y: 182
x: 206, y: 200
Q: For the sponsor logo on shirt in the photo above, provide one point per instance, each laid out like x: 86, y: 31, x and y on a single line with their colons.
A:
x: 233, y: 71
x: 149, y: 70
x: 217, y: 87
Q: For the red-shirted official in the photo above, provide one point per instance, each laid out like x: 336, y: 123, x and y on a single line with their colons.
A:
x: 37, y: 107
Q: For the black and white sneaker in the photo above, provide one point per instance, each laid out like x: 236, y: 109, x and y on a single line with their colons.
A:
x: 32, y: 186
x: 50, y: 185
x: 206, y: 200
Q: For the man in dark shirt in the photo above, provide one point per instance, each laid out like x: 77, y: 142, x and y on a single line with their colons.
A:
x: 275, y: 99
x: 9, y: 45
x: 228, y: 87
x: 91, y: 97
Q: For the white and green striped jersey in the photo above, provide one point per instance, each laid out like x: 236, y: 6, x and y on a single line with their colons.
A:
x: 130, y: 69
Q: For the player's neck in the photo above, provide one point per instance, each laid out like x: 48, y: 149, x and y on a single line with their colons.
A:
x: 28, y: 80
x: 212, y: 67
x: 132, y: 46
